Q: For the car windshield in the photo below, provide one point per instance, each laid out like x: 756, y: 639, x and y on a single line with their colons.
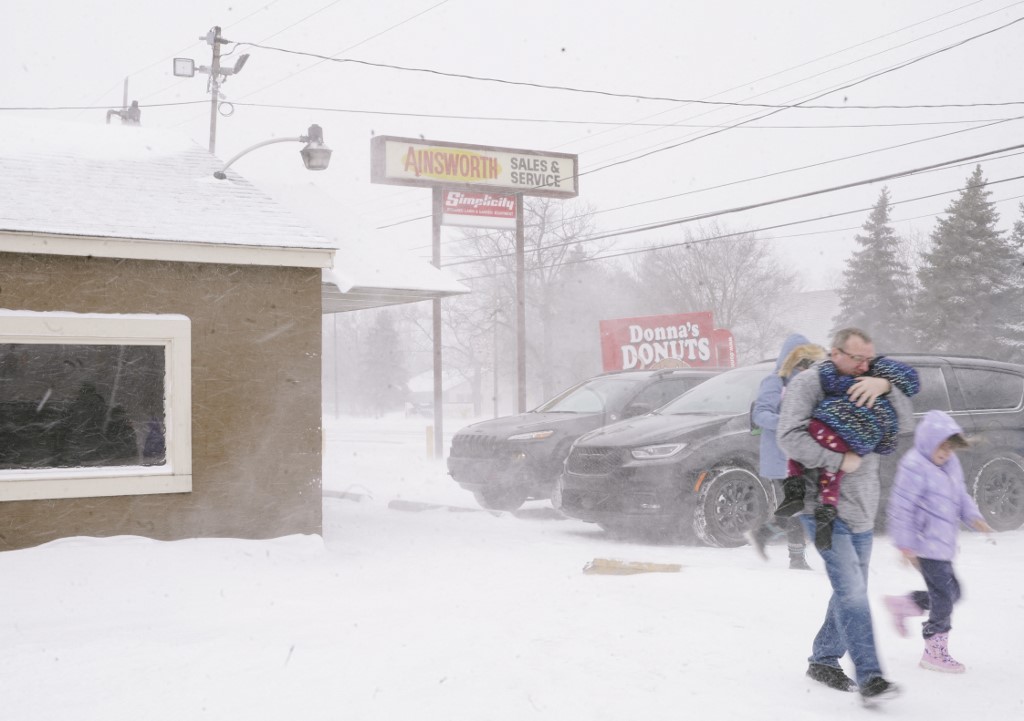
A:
x: 729, y: 393
x: 591, y: 396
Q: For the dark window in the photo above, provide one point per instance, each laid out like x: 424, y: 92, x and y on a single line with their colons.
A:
x: 985, y: 389
x: 933, y: 396
x: 72, y: 405
x: 591, y: 396
x: 731, y: 392
x: 658, y: 394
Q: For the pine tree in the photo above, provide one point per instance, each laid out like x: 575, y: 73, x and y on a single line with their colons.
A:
x: 875, y: 294
x: 1015, y: 299
x: 971, y: 285
x: 383, y: 382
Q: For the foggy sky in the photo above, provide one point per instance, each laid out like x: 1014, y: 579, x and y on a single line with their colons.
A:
x: 70, y: 53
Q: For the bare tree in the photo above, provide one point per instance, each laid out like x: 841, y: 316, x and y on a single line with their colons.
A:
x: 735, y: 275
x: 479, y: 327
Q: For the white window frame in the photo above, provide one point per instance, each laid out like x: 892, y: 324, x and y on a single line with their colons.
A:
x: 174, y: 333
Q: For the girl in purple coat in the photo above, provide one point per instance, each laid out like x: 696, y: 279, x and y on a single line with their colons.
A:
x: 927, y: 505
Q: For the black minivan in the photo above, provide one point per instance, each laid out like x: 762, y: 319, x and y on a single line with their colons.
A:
x: 690, y: 468
x: 507, y: 461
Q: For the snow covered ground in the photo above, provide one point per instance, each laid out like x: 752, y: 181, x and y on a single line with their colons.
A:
x: 462, y: 615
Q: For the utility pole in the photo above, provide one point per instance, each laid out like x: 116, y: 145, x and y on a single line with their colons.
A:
x: 214, y: 39
x: 520, y: 308
x: 437, y: 204
x: 186, y: 68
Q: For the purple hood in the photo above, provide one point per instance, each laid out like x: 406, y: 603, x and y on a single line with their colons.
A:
x: 933, y: 429
x: 929, y: 502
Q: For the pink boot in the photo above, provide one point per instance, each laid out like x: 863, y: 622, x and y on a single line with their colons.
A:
x: 901, y: 608
x: 936, y: 655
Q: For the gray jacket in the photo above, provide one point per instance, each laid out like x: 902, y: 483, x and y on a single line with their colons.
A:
x: 858, y: 491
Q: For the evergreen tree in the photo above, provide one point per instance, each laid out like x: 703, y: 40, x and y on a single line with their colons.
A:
x: 970, y: 281
x: 383, y: 382
x: 875, y: 294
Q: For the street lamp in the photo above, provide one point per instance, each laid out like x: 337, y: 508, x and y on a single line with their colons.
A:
x: 315, y: 155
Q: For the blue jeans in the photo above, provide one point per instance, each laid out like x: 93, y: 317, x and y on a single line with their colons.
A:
x: 943, y: 592
x: 847, y: 627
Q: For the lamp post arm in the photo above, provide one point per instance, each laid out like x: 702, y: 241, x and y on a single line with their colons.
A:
x: 220, y: 174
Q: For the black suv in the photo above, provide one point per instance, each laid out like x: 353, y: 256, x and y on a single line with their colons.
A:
x: 509, y: 460
x: 690, y: 469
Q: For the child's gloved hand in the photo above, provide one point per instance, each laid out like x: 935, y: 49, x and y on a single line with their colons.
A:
x: 824, y: 518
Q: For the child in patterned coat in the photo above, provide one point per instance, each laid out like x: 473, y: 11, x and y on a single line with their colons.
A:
x: 841, y: 425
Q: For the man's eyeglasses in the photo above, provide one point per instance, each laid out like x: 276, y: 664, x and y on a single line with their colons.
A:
x: 858, y: 359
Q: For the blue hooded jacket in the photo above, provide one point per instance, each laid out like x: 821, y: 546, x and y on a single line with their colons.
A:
x: 766, y: 412
x: 928, y: 502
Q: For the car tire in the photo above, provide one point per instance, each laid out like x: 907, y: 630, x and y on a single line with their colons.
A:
x: 999, y: 491
x: 501, y: 498
x: 729, y: 503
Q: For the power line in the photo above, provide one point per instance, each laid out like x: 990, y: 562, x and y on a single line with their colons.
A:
x: 785, y: 199
x: 816, y: 165
x: 555, y: 121
x: 175, y: 54
x: 630, y: 228
x: 859, y: 81
x: 361, y: 42
x: 635, y: 96
x: 102, y: 107
x: 695, y: 241
x: 766, y: 175
x: 350, y: 47
x: 829, y: 70
x: 566, y: 121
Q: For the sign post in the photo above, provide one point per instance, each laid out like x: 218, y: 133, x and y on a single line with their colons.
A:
x: 435, y: 258
x: 474, y: 185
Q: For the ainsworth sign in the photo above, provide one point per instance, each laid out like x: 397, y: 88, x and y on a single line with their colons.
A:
x: 665, y: 341
x: 406, y: 161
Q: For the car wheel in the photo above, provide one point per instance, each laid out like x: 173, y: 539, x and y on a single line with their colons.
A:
x: 729, y: 504
x: 501, y: 498
x: 999, y: 491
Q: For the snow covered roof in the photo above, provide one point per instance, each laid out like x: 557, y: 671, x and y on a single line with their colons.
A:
x: 136, y: 192
x: 366, y: 273
x: 367, y: 279
x: 125, y: 191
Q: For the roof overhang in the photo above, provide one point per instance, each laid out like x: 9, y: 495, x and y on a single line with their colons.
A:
x: 340, y: 295
x: 172, y: 250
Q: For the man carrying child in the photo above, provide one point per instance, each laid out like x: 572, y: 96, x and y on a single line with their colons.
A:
x: 847, y: 627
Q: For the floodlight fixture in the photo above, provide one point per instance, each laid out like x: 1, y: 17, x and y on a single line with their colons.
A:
x: 184, y: 67
x: 239, y: 64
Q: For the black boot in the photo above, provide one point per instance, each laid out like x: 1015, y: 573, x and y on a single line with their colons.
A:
x: 793, y: 497
x: 824, y: 516
x: 797, y: 562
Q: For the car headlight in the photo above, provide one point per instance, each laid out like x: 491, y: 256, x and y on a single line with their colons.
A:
x: 534, y: 436
x: 653, y: 453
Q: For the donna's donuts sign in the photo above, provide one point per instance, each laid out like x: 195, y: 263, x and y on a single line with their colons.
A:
x: 664, y: 341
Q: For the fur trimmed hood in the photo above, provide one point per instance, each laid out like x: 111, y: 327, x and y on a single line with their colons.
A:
x: 807, y: 351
